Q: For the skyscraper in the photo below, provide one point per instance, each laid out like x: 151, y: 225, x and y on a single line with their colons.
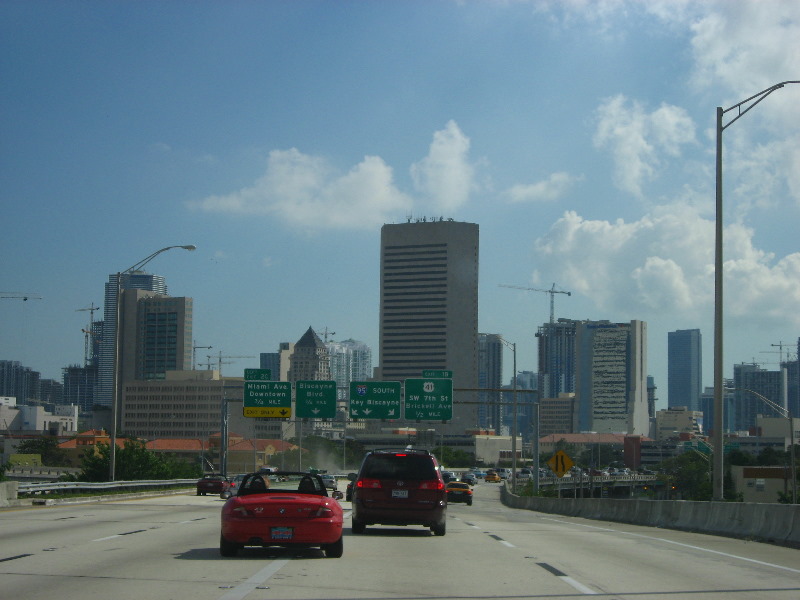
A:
x: 429, y: 306
x: 490, y: 376
x: 611, y: 385
x: 556, y: 358
x: 108, y: 344
x: 684, y: 369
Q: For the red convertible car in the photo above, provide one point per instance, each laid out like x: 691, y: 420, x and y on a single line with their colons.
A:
x: 298, y: 513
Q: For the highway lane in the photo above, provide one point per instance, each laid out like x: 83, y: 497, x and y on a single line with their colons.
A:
x: 167, y: 548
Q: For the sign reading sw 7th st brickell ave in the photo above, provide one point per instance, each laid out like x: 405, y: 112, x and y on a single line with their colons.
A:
x: 429, y: 399
x: 374, y: 399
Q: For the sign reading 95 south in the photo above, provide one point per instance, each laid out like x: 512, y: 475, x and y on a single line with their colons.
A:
x: 374, y: 399
x: 429, y: 399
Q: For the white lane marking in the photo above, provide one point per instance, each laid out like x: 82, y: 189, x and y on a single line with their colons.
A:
x: 509, y: 544
x: 578, y: 586
x: 244, y: 588
x: 649, y: 537
x: 109, y: 537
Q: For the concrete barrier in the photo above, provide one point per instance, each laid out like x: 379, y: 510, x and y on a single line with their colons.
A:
x: 774, y: 523
x: 8, y: 493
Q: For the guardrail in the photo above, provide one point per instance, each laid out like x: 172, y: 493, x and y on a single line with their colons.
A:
x: 84, y: 486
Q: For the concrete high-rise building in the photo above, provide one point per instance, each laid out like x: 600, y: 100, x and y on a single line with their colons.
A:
x: 556, y: 342
x: 351, y: 360
x: 429, y: 307
x: 138, y: 280
x: 684, y: 368
x: 611, y: 384
x: 490, y: 377
x: 770, y: 384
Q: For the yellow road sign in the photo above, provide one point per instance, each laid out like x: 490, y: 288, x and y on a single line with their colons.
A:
x: 560, y: 463
x: 275, y: 412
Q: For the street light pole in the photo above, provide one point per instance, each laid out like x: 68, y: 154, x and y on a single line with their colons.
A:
x: 749, y: 103
x: 112, y: 460
x: 513, y: 346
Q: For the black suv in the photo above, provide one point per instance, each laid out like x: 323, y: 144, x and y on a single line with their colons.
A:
x: 399, y: 487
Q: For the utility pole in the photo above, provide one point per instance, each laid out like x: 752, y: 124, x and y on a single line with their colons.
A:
x: 552, y: 291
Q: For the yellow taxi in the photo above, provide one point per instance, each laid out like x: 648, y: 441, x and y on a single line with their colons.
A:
x: 491, y: 476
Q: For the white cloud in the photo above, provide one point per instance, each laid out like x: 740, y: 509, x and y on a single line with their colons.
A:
x: 638, y: 140
x: 663, y: 264
x: 548, y: 190
x: 445, y: 177
x: 307, y: 192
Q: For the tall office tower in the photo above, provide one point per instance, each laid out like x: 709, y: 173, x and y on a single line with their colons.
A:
x: 108, y: 344
x: 526, y: 380
x: 163, y: 335
x: 272, y: 362
x: 310, y: 360
x: 684, y: 368
x: 490, y: 376
x: 652, y: 398
x: 611, y: 383
x: 556, y: 358
x: 749, y: 376
x: 429, y: 308
x: 793, y: 383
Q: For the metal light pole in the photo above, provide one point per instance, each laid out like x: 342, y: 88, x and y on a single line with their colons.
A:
x: 513, y: 346
x: 112, y: 461
x: 718, y: 483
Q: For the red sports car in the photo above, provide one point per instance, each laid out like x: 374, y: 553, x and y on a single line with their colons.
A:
x: 298, y: 513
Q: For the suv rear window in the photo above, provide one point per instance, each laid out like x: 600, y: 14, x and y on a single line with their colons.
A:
x: 399, y: 466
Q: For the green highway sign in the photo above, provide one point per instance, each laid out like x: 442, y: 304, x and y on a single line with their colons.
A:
x: 268, y: 399
x: 374, y: 399
x: 438, y: 374
x: 315, y: 399
x: 429, y: 399
x: 257, y: 375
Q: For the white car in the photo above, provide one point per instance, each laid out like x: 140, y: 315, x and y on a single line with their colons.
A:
x: 329, y: 481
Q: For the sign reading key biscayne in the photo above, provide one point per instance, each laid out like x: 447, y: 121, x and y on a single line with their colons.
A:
x: 374, y: 399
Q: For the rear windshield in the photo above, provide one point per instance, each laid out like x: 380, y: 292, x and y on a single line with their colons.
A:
x: 390, y: 466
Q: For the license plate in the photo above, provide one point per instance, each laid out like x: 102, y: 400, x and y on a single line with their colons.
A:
x: 399, y: 493
x: 281, y: 533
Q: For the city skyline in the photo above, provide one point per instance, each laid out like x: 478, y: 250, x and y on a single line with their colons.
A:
x: 279, y: 137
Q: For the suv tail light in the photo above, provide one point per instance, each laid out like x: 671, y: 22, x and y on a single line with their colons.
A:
x: 369, y: 483
x: 434, y: 484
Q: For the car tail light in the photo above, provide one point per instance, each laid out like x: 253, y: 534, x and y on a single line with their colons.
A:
x: 369, y: 483
x: 431, y: 485
x: 323, y: 511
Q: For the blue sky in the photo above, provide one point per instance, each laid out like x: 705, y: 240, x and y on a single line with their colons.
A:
x: 279, y: 136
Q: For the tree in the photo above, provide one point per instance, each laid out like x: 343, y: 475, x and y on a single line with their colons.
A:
x: 47, y: 448
x: 134, y: 462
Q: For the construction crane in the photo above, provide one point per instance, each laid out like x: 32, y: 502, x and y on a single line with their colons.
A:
x: 326, y: 333
x: 552, y: 291
x: 220, y: 362
x: 87, y: 332
x: 194, y: 353
x: 20, y: 296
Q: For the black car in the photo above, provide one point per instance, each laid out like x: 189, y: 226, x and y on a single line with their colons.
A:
x: 399, y: 487
x: 469, y: 478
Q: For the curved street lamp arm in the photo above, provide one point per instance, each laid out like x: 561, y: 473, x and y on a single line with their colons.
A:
x: 138, y: 266
x: 757, y: 97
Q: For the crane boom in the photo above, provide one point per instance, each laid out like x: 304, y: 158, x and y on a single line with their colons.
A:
x: 552, y: 291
